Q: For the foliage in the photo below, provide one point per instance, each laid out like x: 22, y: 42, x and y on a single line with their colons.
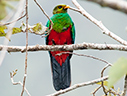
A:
x: 2, y: 32
x: 105, y: 83
x: 36, y: 29
x: 117, y: 71
x: 3, y: 5
x: 16, y: 30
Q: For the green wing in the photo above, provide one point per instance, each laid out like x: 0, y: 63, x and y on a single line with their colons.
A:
x: 47, y: 25
x: 73, y: 33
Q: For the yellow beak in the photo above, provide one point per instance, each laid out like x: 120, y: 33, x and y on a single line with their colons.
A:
x: 66, y: 7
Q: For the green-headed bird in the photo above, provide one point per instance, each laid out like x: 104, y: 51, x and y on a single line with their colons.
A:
x: 63, y: 33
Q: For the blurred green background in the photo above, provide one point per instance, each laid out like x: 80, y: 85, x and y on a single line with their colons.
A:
x: 39, y: 79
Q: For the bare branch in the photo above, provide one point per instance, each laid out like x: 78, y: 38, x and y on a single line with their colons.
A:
x: 94, y: 92
x: 102, y: 83
x: 108, y: 64
x: 13, y: 20
x: 25, y: 74
x: 18, y: 83
x: 98, y: 23
x: 81, y: 46
x: 125, y: 86
x: 120, y: 5
x: 79, y: 85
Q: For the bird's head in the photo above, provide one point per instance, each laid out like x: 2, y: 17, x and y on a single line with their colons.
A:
x: 62, y: 8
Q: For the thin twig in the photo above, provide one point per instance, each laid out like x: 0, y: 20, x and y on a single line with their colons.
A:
x: 114, y: 93
x: 98, y: 23
x: 48, y: 32
x: 16, y: 83
x: 102, y: 83
x: 13, y: 20
x: 94, y: 92
x: 25, y: 74
x: 78, y: 86
x: 108, y: 64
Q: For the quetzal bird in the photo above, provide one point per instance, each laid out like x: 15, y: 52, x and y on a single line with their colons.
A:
x: 62, y: 33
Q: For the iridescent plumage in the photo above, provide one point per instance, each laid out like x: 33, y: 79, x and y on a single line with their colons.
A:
x: 63, y: 33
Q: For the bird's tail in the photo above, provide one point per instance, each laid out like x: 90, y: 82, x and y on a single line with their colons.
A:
x: 61, y: 74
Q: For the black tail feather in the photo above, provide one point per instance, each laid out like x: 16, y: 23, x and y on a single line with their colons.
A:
x: 61, y: 74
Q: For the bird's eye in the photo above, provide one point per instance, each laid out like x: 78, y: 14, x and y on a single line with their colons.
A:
x: 59, y: 7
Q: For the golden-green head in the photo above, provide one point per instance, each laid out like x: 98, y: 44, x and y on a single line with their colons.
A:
x: 62, y: 8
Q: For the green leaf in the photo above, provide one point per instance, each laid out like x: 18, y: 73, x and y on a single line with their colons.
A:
x: 38, y: 28
x: 117, y: 71
x: 2, y: 32
x: 105, y: 83
x: 16, y: 30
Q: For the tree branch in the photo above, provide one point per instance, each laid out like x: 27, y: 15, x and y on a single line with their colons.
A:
x: 120, y: 5
x: 98, y: 23
x: 79, y: 85
x: 125, y: 86
x: 90, y: 56
x: 13, y: 20
x: 102, y: 83
x: 16, y: 83
x: 65, y: 47
x: 25, y: 74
